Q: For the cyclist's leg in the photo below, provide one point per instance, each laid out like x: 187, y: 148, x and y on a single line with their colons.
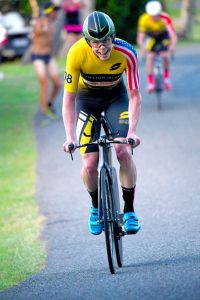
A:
x: 89, y: 175
x: 151, y: 44
x: 117, y: 115
x: 165, y: 55
x: 90, y: 154
x: 150, y: 73
x: 166, y: 69
x: 54, y: 75
x: 89, y: 171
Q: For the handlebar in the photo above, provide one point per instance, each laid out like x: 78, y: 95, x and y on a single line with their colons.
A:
x: 102, y: 141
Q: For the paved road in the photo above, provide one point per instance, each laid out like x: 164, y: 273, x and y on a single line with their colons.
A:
x: 160, y: 262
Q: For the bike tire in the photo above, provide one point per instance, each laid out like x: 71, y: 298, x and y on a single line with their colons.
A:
x: 106, y: 201
x: 117, y: 228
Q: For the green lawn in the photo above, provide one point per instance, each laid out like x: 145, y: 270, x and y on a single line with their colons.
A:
x: 22, y: 251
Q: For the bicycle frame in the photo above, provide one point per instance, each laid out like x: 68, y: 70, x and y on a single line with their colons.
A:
x: 106, y: 163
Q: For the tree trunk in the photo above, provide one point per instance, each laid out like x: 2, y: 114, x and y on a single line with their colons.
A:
x: 187, y: 18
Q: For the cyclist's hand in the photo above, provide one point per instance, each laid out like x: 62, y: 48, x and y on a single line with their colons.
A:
x: 172, y: 49
x: 135, y: 138
x: 69, y: 147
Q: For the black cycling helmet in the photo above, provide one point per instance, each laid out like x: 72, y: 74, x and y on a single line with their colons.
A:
x: 98, y: 26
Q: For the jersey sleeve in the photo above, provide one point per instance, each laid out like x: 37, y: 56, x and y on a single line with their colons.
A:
x: 72, y: 71
x: 132, y: 71
x: 168, y: 21
x: 130, y: 54
x: 142, y: 24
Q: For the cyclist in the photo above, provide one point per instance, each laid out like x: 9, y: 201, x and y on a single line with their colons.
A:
x: 94, y: 83
x: 156, y: 34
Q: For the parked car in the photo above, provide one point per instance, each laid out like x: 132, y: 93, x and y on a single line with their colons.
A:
x: 14, y: 35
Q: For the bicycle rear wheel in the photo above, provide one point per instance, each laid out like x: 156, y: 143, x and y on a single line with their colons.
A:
x: 108, y: 220
x: 118, y: 227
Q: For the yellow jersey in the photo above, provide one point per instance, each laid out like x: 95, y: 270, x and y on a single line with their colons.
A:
x: 147, y: 25
x: 85, y: 70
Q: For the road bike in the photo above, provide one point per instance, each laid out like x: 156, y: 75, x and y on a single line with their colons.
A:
x: 109, y: 213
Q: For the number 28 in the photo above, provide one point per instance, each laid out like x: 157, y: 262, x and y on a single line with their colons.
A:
x: 68, y: 78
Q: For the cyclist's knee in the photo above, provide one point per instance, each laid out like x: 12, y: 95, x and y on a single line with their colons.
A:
x: 123, y: 155
x: 151, y: 55
x: 90, y: 164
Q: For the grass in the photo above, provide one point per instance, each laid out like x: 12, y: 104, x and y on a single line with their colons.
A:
x: 22, y: 252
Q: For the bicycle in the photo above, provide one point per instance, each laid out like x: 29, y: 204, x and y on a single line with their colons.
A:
x: 109, y: 204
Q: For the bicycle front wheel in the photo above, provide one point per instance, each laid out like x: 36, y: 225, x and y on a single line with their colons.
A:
x: 108, y: 220
x: 117, y: 227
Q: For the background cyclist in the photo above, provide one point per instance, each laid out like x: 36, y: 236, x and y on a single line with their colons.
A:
x: 156, y: 34
x: 94, y: 83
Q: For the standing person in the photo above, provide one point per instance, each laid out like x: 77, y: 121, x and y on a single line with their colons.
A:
x: 94, y: 83
x: 41, y: 55
x: 156, y: 34
x: 73, y: 24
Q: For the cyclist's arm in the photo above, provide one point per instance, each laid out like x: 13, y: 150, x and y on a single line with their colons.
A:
x: 171, y: 30
x: 141, y: 33
x: 68, y: 112
x: 134, y: 111
x: 173, y: 40
x: 141, y: 42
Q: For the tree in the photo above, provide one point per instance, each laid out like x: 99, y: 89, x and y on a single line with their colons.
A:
x: 125, y: 15
x: 187, y: 18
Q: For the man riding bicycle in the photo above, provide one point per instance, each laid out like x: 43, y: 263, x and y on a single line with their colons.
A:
x: 156, y: 34
x: 94, y: 84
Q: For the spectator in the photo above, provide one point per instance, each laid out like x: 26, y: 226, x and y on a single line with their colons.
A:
x: 41, y: 55
x: 72, y: 22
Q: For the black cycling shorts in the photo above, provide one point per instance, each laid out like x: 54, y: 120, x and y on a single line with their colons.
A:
x: 90, y: 103
x: 157, y: 43
x: 44, y: 57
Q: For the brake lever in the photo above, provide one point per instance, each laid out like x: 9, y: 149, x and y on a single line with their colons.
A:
x: 71, y: 147
x: 131, y: 143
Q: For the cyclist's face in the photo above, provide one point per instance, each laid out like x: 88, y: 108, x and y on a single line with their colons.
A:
x: 155, y: 18
x: 102, y: 49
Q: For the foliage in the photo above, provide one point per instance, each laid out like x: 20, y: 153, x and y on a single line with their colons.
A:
x: 124, y: 14
x: 22, y: 6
